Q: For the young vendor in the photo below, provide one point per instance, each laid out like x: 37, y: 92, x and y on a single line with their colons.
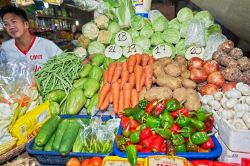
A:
x: 23, y: 44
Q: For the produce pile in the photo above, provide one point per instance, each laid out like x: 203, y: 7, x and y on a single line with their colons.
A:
x: 76, y: 135
x: 165, y: 126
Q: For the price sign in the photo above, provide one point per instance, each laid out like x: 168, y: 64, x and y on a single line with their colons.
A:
x: 161, y: 51
x: 194, y: 51
x: 131, y: 50
x: 123, y: 39
x: 167, y: 161
x: 113, y: 51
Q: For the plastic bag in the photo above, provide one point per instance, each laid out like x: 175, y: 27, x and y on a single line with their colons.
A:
x: 88, y: 5
x: 195, y: 33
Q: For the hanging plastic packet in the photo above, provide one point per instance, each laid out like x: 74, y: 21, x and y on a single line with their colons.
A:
x: 142, y: 7
x: 54, y: 2
x: 24, y: 2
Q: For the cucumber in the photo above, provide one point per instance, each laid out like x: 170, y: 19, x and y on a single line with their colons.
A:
x: 69, y: 136
x: 56, y: 95
x: 78, y: 145
x: 35, y: 147
x: 47, y: 130
x: 54, y: 108
x: 59, y: 134
x: 48, y: 146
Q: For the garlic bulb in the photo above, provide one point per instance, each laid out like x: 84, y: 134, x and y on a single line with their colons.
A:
x: 233, y: 94
x: 243, y: 88
x: 218, y: 96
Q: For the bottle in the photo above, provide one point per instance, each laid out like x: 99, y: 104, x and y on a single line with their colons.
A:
x: 142, y: 7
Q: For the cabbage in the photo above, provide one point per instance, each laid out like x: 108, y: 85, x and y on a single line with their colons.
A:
x: 147, y: 31
x: 185, y: 14
x: 96, y: 47
x: 215, y: 28
x: 156, y: 38
x: 172, y: 48
x: 137, y: 22
x: 114, y: 27
x: 160, y: 24
x: 133, y: 33
x: 180, y: 47
x: 183, y: 29
x: 142, y: 42
x: 171, y: 36
x: 154, y: 14
x: 175, y: 24
x: 206, y: 17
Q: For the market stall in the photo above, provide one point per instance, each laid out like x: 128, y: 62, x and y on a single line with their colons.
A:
x: 139, y: 89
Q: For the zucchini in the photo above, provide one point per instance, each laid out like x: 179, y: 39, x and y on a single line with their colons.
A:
x: 78, y: 145
x: 69, y: 136
x: 35, y: 147
x: 56, y: 95
x: 48, y: 146
x: 47, y: 130
x: 59, y: 134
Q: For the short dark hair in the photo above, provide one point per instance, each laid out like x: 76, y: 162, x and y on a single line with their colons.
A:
x: 76, y: 33
x: 15, y: 10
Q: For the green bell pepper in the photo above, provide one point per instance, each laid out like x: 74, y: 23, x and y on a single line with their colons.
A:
x: 178, y: 139
x: 98, y: 60
x: 166, y: 120
x: 121, y: 142
x: 134, y: 137
x: 96, y: 73
x: 180, y: 148
x: 131, y: 153
x: 92, y: 103
x: 84, y: 72
x: 142, y: 104
x: 197, y: 124
x: 187, y: 131
x: 199, y: 138
x: 202, y: 114
x: 138, y: 114
x: 127, y: 112
x: 91, y: 86
x: 182, y: 120
x: 153, y: 122
x: 172, y: 105
x: 165, y: 133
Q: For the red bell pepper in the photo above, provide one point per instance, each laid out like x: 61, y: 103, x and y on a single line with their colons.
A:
x: 201, y: 163
x: 209, y: 144
x: 139, y: 147
x: 145, y: 150
x: 175, y: 128
x: 182, y: 111
x: 209, y: 124
x: 160, y: 107
x: 151, y: 106
x: 146, y: 143
x: 134, y: 123
x: 145, y: 133
x: 124, y: 120
x: 157, y: 143
x: 163, y: 147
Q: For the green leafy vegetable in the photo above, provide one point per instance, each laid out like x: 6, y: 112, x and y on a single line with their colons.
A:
x: 171, y: 35
x: 160, y: 24
x: 96, y: 47
x: 180, y: 47
x: 156, y: 38
x: 174, y: 24
x: 206, y: 17
x: 137, y: 22
x: 114, y: 27
x: 215, y: 28
x: 133, y: 33
x: 143, y: 42
x: 147, y: 31
x: 185, y: 14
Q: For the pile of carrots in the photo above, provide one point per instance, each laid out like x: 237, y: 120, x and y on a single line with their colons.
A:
x: 123, y: 81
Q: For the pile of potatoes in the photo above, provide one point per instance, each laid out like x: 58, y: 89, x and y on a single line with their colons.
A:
x: 171, y: 79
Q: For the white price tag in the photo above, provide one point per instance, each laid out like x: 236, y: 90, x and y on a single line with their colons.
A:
x: 161, y: 51
x: 131, y: 50
x: 194, y: 52
x: 113, y: 51
x: 123, y: 39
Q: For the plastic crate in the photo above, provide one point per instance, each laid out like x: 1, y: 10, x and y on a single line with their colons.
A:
x: 55, y: 158
x: 212, y: 155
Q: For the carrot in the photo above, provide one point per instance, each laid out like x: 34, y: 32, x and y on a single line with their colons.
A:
x: 124, y: 77
x: 105, y: 103
x: 138, y: 74
x: 151, y: 60
x: 120, y: 109
x: 115, y: 95
x: 131, y: 79
x: 117, y: 72
x: 103, y: 93
x: 148, y: 76
x: 131, y: 63
x: 143, y: 77
x: 127, y: 90
x: 105, y: 76
x: 124, y: 66
x: 134, y: 98
x: 138, y: 59
x: 145, y: 59
x: 111, y: 71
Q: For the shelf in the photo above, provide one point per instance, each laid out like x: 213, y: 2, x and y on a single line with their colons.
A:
x: 65, y: 18
x: 44, y: 16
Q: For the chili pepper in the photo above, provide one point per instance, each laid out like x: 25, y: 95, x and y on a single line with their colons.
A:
x: 197, y: 124
x: 134, y: 137
x: 202, y: 162
x: 169, y: 142
x: 171, y: 150
x: 177, y: 139
x: 139, y: 148
x: 151, y: 106
x: 145, y: 133
x: 182, y: 120
x: 159, y: 109
x: 131, y: 153
x: 157, y: 143
x: 209, y: 124
x: 187, y: 131
x: 142, y: 104
x: 146, y: 150
x: 143, y: 126
x: 124, y: 121
x: 165, y: 101
x: 182, y: 111
x: 166, y: 120
x: 121, y: 142
x: 133, y: 123
x: 153, y: 122
x: 146, y: 143
x: 165, y: 133
x: 202, y: 114
x: 191, y: 147
x: 180, y: 148
x: 172, y: 105
x: 175, y: 128
x: 126, y: 131
x: 163, y: 147
x: 199, y: 138
x: 138, y: 114
x: 209, y: 144
x: 127, y: 112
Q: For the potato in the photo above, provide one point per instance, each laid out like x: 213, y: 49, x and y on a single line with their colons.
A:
x: 181, y: 60
x: 180, y: 94
x: 142, y: 93
x: 183, y: 68
x: 227, y: 46
x: 192, y: 102
x: 191, y: 91
x: 236, y: 53
x: 168, y: 81
x: 173, y: 69
x: 187, y: 83
x: 158, y: 93
x: 165, y: 61
x: 232, y: 74
x: 185, y: 74
x: 157, y: 68
x: 244, y: 63
x: 154, y: 79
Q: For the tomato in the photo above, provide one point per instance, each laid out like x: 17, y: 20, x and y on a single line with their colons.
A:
x: 73, y: 162
x: 96, y: 161
x: 85, y: 162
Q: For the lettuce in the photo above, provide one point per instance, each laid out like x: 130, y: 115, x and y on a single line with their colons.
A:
x: 137, y: 22
x: 133, y: 33
x: 142, y: 42
x: 114, y: 27
x: 184, y: 15
x: 156, y: 38
x: 206, y: 17
x: 171, y: 35
x: 215, y: 28
x: 147, y: 31
x: 96, y: 47
x: 160, y: 24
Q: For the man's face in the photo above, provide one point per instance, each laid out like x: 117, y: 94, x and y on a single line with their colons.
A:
x: 14, y: 25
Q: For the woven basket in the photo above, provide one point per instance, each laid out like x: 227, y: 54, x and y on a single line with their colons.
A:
x: 12, y: 153
x: 23, y: 159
